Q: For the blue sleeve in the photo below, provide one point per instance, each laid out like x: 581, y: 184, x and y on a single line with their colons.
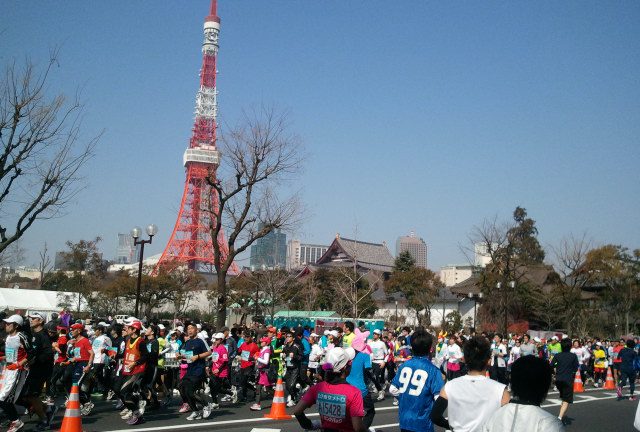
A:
x: 396, y: 380
x: 436, y: 384
x: 367, y: 362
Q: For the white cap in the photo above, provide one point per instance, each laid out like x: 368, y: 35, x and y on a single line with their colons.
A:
x: 313, y: 335
x: 130, y: 320
x: 180, y: 329
x: 536, y: 339
x: 102, y: 324
x: 36, y: 315
x: 198, y: 326
x: 598, y: 344
x: 326, y: 333
x: 203, y: 334
x: 337, y: 358
x: 218, y: 336
x: 554, y: 337
x: 16, y: 319
x: 377, y: 331
x: 334, y: 333
x: 161, y: 326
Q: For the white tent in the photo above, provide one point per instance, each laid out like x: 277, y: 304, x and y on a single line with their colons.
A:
x: 39, y: 300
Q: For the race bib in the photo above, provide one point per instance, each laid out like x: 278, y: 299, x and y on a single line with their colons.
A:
x: 244, y: 355
x: 188, y: 355
x: 76, y: 353
x: 332, y: 407
x: 215, y: 356
x: 11, y: 355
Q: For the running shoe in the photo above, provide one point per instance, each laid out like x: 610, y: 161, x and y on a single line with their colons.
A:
x: 125, y: 412
x: 632, y: 398
x: 135, y: 419
x: 206, y: 411
x: 184, y: 408
x: 15, y: 426
x: 619, y: 392
x: 234, y: 395
x: 41, y: 426
x: 141, y: 406
x: 128, y: 416
x: 119, y: 405
x: 214, y: 406
x: 110, y: 395
x: 225, y: 398
x: 381, y: 395
x: 86, y: 408
x: 49, y: 400
x: 395, y: 401
x: 291, y: 403
x: 51, y: 413
x: 196, y: 415
x: 255, y: 407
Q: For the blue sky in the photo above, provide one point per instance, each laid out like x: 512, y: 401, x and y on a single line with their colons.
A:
x: 424, y: 116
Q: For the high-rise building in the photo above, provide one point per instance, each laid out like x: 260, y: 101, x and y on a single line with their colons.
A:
x: 300, y: 254
x: 451, y: 275
x: 482, y: 255
x: 126, y: 251
x: 415, y: 246
x: 269, y: 251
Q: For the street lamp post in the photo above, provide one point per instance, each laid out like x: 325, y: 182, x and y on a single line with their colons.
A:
x: 396, y: 313
x: 505, y: 293
x: 475, y: 298
x: 135, y: 233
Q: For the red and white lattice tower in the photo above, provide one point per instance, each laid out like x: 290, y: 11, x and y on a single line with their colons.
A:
x: 190, y: 243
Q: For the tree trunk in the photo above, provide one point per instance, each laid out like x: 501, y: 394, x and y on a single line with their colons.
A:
x: 221, y: 314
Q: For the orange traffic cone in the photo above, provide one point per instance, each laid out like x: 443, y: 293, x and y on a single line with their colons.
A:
x: 72, y: 421
x: 609, y: 384
x: 577, y: 383
x: 278, y: 406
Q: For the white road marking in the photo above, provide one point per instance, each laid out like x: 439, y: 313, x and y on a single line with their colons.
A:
x: 264, y: 430
x: 554, y: 402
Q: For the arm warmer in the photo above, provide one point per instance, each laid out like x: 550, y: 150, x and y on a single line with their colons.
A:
x: 437, y: 413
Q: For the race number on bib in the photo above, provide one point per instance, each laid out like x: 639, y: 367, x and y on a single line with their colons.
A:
x: 244, y: 355
x: 412, y: 380
x: 332, y: 406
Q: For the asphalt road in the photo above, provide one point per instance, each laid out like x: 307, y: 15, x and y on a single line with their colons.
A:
x: 594, y: 410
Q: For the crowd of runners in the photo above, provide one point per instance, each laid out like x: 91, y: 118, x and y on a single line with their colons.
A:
x: 482, y: 382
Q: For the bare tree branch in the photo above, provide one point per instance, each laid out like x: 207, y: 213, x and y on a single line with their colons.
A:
x: 42, y: 150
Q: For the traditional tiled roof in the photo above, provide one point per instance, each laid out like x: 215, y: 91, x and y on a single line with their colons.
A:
x: 373, y: 256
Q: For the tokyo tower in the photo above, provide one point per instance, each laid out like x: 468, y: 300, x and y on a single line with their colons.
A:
x: 190, y: 243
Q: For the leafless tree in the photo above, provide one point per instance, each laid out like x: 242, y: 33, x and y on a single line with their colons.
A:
x: 42, y: 150
x: 44, y: 265
x: 570, y: 254
x: 272, y: 288
x: 259, y: 159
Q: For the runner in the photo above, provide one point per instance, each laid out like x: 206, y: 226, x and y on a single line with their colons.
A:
x: 379, y: 357
x: 17, y: 352
x: 81, y: 365
x: 530, y: 382
x: 219, y: 376
x: 417, y: 385
x: 473, y: 398
x: 194, y: 351
x: 339, y: 403
x: 247, y: 351
x: 566, y: 365
x: 262, y: 362
x: 134, y: 365
x: 627, y: 357
x: 361, y: 372
x: 292, y: 357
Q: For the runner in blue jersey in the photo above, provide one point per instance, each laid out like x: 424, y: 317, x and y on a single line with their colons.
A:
x: 416, y: 385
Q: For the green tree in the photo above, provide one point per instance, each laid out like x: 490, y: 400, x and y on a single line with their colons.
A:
x: 513, y: 248
x: 618, y: 270
x: 417, y: 285
x: 404, y: 262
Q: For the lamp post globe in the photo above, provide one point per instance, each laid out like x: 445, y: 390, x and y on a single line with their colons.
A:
x: 135, y: 232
